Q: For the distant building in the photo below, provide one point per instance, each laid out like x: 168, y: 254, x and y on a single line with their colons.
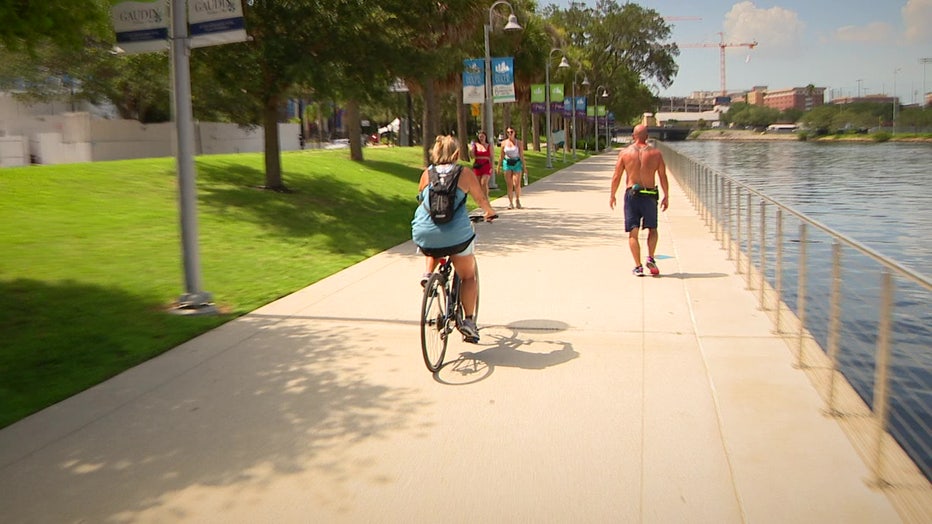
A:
x: 802, y: 98
x: 756, y: 96
x: 871, y: 99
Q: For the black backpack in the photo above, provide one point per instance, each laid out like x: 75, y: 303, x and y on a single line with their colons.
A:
x: 442, y: 194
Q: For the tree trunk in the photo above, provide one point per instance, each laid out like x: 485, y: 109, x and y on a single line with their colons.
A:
x: 535, y: 131
x: 430, y: 118
x: 273, y: 160
x: 354, y: 129
x: 320, y: 122
x: 524, y: 126
x: 461, y: 119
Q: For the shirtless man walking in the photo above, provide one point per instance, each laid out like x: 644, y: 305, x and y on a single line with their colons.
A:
x: 643, y: 164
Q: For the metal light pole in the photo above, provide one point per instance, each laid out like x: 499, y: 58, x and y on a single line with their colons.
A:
x: 924, y: 61
x: 585, y: 82
x: 895, y: 101
x: 608, y: 142
x: 596, y: 113
x: 194, y: 300
x: 563, y: 64
x: 512, y: 25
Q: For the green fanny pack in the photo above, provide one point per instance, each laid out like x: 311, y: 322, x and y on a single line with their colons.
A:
x: 637, y: 190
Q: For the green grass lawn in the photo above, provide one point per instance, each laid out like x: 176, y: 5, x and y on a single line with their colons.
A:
x: 91, y: 260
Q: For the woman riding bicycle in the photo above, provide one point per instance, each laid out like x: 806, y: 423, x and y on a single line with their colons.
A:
x: 455, y: 238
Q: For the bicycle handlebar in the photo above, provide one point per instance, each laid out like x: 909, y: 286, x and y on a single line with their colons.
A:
x: 480, y: 218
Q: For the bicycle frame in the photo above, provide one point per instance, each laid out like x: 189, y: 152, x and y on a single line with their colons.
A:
x: 454, y: 307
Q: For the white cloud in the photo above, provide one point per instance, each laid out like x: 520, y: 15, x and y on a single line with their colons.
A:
x: 917, y: 17
x: 874, y: 32
x: 778, y: 31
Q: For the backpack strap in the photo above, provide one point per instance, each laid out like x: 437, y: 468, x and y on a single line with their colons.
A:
x: 457, y: 171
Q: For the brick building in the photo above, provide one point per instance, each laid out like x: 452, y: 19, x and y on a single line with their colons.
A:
x: 792, y: 98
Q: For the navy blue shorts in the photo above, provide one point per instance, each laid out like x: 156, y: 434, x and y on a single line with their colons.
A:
x: 640, y: 211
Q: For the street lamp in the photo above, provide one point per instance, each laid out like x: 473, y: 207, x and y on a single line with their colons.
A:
x: 512, y: 25
x: 585, y: 82
x: 596, y: 113
x: 563, y: 64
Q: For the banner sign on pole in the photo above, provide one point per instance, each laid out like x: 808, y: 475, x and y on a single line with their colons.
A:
x: 581, y: 106
x: 538, y: 99
x: 215, y: 22
x: 141, y: 26
x: 556, y: 98
x: 556, y: 92
x: 474, y: 81
x: 503, y: 79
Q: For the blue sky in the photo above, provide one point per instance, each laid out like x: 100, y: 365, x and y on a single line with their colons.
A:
x: 831, y: 44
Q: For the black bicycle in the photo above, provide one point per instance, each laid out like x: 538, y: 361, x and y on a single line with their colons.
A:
x: 442, y: 309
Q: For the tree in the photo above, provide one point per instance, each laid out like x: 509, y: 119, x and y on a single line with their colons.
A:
x: 821, y: 119
x: 136, y: 85
x: 626, y: 49
x: 328, y: 47
x: 63, y: 23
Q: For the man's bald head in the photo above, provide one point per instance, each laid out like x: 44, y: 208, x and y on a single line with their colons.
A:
x: 640, y: 132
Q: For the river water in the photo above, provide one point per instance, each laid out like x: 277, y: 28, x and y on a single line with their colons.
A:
x: 879, y: 195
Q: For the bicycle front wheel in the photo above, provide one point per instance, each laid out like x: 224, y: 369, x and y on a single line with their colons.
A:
x: 434, y: 322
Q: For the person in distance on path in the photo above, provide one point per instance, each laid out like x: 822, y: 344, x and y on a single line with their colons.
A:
x: 641, y: 164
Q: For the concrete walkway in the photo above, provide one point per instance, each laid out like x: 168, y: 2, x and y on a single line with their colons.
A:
x: 593, y: 396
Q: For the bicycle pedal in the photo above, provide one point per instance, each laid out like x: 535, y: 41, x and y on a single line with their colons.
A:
x: 471, y: 340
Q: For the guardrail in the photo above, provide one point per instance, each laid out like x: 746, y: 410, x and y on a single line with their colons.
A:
x: 836, y: 300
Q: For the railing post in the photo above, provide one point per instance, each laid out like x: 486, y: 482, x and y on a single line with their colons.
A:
x: 801, y: 295
x: 834, y: 324
x: 778, y: 268
x: 726, y: 242
x: 750, y: 240
x: 723, y: 208
x: 738, y: 229
x: 881, y: 371
x: 716, y: 203
x: 763, y: 253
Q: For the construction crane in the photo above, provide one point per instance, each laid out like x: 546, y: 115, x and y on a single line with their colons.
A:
x: 722, y: 45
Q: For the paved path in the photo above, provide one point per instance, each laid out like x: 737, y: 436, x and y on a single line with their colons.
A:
x: 593, y: 396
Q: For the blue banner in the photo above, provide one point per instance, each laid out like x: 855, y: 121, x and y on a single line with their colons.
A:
x: 474, y: 81
x: 581, y: 104
x: 503, y: 79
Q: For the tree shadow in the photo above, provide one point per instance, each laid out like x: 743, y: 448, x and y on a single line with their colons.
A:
x: 320, y: 207
x: 293, y: 400
x: 60, y: 338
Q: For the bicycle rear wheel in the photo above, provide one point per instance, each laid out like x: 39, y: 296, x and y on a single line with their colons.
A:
x: 434, y: 322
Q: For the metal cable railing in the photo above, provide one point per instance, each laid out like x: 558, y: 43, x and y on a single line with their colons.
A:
x: 867, y: 315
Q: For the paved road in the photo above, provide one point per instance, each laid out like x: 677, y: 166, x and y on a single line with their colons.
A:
x: 593, y: 396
